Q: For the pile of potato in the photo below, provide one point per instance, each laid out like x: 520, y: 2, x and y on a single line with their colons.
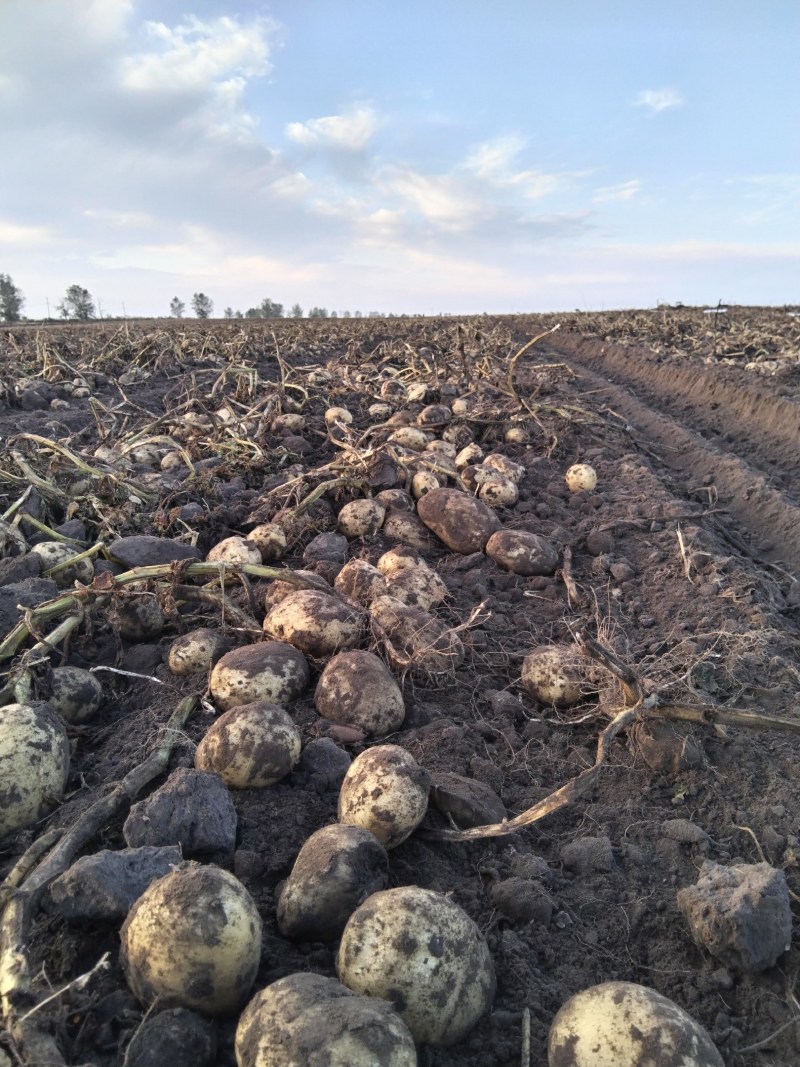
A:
x: 413, y: 969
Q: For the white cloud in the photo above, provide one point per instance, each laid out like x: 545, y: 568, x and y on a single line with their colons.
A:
x: 440, y: 198
x: 659, y: 99
x: 491, y: 161
x: 197, y: 54
x: 120, y: 219
x: 352, y: 131
x: 13, y: 234
x: 623, y: 191
x: 492, y: 158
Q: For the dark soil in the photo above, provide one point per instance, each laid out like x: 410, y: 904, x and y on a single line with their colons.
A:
x: 704, y: 607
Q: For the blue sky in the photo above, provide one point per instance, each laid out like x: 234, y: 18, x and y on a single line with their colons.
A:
x: 401, y: 157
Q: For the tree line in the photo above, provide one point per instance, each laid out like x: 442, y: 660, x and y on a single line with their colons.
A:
x: 79, y: 305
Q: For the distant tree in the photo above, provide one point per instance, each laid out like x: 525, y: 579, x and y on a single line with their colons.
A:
x: 318, y: 313
x: 376, y: 314
x: 202, y: 305
x: 296, y: 312
x: 358, y: 315
x: 228, y: 313
x: 334, y: 314
x: 176, y: 308
x: 345, y: 315
x: 77, y: 304
x: 11, y: 299
x: 267, y: 309
x: 238, y: 314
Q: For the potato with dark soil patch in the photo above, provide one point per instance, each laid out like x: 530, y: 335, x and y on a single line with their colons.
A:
x: 386, y: 792
x: 250, y: 747
x: 316, y: 623
x: 422, y: 953
x: 34, y: 764
x: 305, y: 1020
x: 461, y: 521
x: 193, y: 938
x: 522, y: 553
x: 335, y: 870
x: 357, y: 688
x: 273, y: 671
x: 558, y: 675
x: 415, y: 640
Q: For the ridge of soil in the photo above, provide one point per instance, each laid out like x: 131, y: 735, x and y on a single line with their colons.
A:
x: 732, y: 441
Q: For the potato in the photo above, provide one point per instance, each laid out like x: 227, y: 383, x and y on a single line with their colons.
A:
x: 417, y: 393
x: 338, y: 415
x: 469, y: 456
x: 53, y: 553
x: 463, y: 523
x: 460, y: 406
x: 517, y: 435
x: 385, y: 791
x: 136, y: 614
x: 336, y: 870
x: 420, y: 587
x: 234, y: 550
x: 433, y: 416
x: 457, y: 434
x: 361, y: 518
x: 499, y: 492
x: 396, y: 500
x: 505, y: 466
x: 522, y: 553
x: 581, y: 477
x: 279, y: 590
x: 407, y: 528
x: 75, y: 694
x: 198, y: 650
x: 305, y: 1020
x: 414, y: 639
x: 251, y: 746
x: 194, y: 938
x: 317, y: 623
x: 270, y: 540
x: 274, y: 671
x: 289, y: 423
x: 34, y: 764
x: 621, y: 1024
x: 394, y: 391
x: 399, y: 558
x: 360, y: 581
x: 409, y: 437
x: 379, y: 411
x: 422, y: 953
x: 558, y: 675
x: 422, y: 483
x: 442, y: 448
x: 358, y: 689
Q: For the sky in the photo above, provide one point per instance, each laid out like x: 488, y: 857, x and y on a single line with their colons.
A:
x: 416, y: 157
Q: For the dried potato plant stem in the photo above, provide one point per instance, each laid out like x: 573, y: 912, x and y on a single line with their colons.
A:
x: 637, y: 708
x: 17, y: 998
x: 73, y: 601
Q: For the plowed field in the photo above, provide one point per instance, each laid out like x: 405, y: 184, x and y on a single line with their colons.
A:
x: 678, y: 577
